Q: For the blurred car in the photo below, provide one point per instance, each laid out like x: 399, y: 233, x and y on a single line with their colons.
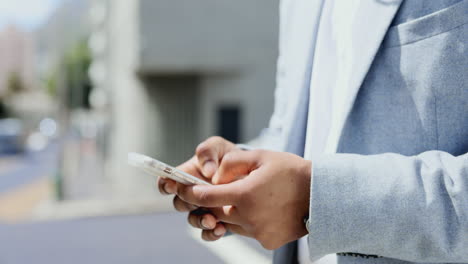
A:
x: 11, y: 136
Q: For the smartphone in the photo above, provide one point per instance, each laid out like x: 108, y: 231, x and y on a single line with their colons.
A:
x: 157, y: 168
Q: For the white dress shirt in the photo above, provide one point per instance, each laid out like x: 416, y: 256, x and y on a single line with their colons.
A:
x: 320, y: 107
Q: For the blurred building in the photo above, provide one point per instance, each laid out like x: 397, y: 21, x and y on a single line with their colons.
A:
x: 170, y: 73
x: 32, y: 57
x: 17, y: 57
x: 67, y: 25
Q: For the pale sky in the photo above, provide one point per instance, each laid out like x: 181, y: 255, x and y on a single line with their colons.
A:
x: 26, y: 13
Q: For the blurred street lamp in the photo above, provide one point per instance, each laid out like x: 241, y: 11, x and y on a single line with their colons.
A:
x: 98, y: 13
x: 98, y: 43
x: 37, y: 142
x: 97, y: 73
x: 48, y: 127
x: 98, y: 99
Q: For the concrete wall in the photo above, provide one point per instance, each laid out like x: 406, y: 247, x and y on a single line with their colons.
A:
x: 131, y: 111
x: 174, y: 100
x: 206, y: 36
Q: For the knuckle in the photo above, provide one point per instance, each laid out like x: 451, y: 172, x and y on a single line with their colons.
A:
x: 204, y: 197
x: 202, y: 149
x: 229, y: 158
x: 208, y: 144
x: 215, y: 139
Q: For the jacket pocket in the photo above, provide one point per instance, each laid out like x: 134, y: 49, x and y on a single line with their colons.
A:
x: 428, y: 26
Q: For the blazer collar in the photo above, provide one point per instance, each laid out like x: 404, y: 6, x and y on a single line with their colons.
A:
x: 360, y: 27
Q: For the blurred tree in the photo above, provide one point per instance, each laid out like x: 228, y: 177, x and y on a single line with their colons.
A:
x: 77, y: 83
x: 50, y: 84
x: 15, y: 83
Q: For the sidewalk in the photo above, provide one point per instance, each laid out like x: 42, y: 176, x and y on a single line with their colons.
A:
x: 26, y: 182
x: 18, y: 205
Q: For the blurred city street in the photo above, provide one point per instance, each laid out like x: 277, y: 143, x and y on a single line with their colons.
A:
x: 85, y: 82
x: 25, y: 181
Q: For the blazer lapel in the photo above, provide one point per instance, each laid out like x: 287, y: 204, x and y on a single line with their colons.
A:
x: 359, y: 28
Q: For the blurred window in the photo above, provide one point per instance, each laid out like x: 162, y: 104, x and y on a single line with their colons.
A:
x: 229, y: 123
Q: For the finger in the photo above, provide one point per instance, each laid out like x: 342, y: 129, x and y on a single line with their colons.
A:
x: 210, y: 195
x: 236, y: 229
x: 210, y: 152
x: 166, y: 186
x: 227, y: 214
x: 216, y: 234
x: 182, y: 206
x: 205, y: 221
x: 236, y: 165
x: 191, y: 167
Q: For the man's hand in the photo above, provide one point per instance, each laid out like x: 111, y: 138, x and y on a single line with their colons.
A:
x: 266, y: 196
x: 203, y: 165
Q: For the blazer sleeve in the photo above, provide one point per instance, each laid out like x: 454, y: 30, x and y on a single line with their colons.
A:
x: 408, y: 208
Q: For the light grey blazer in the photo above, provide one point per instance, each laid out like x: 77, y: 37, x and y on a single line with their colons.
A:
x: 393, y: 181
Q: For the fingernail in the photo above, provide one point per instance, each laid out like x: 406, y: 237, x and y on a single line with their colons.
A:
x: 205, y: 224
x: 170, y: 188
x: 209, y: 168
x: 219, y: 231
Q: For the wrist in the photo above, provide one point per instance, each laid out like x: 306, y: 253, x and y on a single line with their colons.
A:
x: 307, y: 169
x: 306, y: 175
